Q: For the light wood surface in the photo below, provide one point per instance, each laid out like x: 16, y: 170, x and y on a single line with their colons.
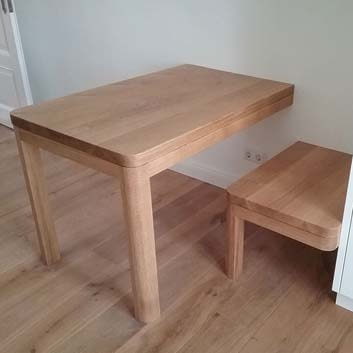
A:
x: 136, y: 121
x: 68, y: 152
x: 193, y: 147
x: 84, y: 303
x: 304, y: 186
x: 317, y: 241
x: 137, y: 200
x: 137, y: 128
x: 235, y: 243
x: 38, y: 194
x: 300, y: 194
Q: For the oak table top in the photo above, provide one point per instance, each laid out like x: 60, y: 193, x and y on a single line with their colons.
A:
x: 132, y: 122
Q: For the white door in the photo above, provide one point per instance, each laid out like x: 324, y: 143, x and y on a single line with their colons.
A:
x: 14, y: 86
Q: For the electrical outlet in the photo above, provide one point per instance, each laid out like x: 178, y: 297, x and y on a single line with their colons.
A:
x: 248, y: 155
x: 255, y: 156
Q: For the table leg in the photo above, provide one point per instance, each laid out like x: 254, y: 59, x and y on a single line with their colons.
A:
x: 38, y: 195
x: 136, y: 191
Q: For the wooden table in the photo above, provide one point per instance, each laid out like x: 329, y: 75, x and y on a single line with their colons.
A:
x: 133, y: 130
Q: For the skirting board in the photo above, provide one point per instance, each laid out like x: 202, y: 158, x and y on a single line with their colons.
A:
x: 344, y: 302
x: 5, y: 118
x: 6, y: 123
x: 205, y: 173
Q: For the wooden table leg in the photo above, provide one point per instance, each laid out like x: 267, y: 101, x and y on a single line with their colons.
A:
x: 235, y: 244
x: 38, y: 195
x: 136, y: 191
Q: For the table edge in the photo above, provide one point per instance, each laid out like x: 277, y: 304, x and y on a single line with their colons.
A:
x: 139, y: 159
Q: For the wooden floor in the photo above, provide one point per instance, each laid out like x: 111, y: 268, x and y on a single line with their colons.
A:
x: 282, y: 303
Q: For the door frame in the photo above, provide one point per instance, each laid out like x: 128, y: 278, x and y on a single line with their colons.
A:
x: 16, y: 46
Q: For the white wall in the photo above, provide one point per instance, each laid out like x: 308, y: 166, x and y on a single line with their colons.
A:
x: 72, y: 45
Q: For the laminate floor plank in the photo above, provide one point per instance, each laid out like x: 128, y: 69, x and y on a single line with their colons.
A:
x: 83, y: 304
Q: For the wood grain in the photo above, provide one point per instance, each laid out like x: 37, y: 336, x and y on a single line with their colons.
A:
x: 304, y: 186
x: 193, y: 147
x: 136, y: 191
x: 319, y: 242
x: 70, y: 153
x: 38, y: 194
x: 133, y: 122
x: 235, y: 243
x: 300, y: 194
x: 137, y: 128
x: 84, y: 303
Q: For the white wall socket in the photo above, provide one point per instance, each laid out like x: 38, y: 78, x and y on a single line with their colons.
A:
x: 255, y: 156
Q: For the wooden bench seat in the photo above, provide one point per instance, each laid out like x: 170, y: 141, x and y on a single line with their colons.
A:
x: 300, y: 193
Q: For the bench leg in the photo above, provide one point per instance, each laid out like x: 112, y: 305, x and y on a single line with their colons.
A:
x: 38, y: 195
x: 235, y: 244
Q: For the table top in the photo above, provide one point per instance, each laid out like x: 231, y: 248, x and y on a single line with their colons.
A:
x: 135, y: 121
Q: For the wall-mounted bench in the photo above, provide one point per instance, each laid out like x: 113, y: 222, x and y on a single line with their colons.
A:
x: 300, y: 194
